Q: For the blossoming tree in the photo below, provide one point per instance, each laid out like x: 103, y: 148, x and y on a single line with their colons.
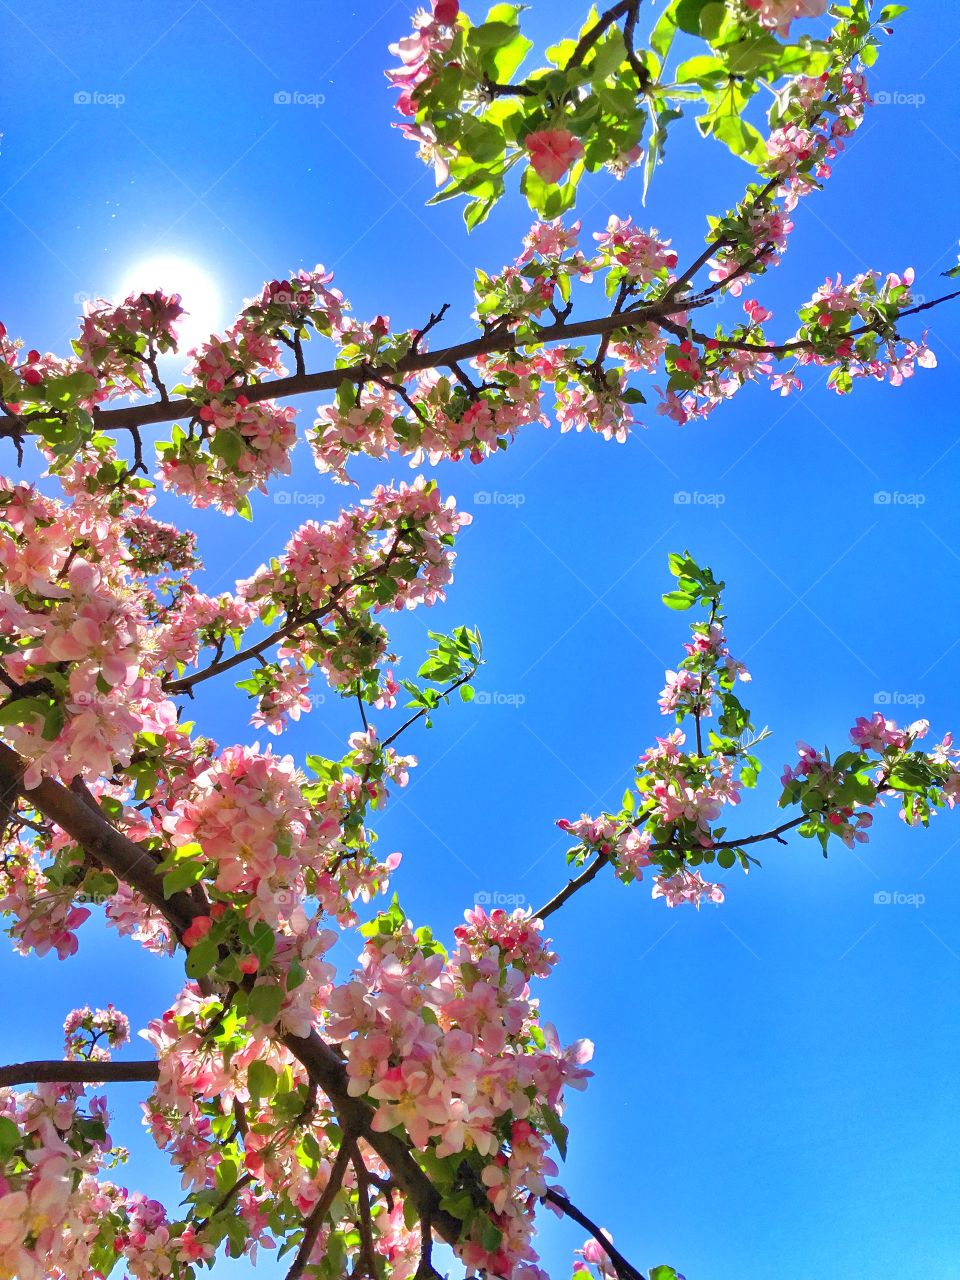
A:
x: 351, y: 1120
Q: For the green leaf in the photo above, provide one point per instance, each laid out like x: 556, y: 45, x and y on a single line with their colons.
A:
x: 263, y: 1003
x: 558, y: 1130
x: 66, y: 390
x: 261, y: 1080
x: 662, y: 35
x: 742, y: 138
x: 202, y: 958
x: 226, y: 1174
x: 687, y: 16
x: 508, y: 57
x: 23, y: 710
x: 678, y: 600
x: 228, y: 445
x: 181, y: 877
x: 9, y: 1138
x: 490, y: 1236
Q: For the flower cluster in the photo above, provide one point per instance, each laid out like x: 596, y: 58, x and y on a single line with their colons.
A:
x: 450, y: 1047
x: 237, y: 440
x: 119, y: 344
x: 92, y: 1033
x: 780, y: 13
x: 393, y: 551
x: 57, y: 1216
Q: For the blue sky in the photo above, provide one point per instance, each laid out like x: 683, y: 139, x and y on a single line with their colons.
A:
x: 775, y: 1091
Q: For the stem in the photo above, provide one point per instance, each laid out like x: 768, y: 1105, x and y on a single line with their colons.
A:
x: 289, y: 628
x: 624, y: 1269
x: 314, y: 1222
x: 590, y: 38
x: 452, y: 688
x: 572, y: 886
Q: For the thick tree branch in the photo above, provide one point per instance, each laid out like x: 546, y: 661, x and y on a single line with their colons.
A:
x: 132, y: 864
x: 94, y: 834
x: 79, y: 1072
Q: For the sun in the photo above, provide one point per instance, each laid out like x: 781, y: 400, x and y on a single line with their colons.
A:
x: 199, y: 294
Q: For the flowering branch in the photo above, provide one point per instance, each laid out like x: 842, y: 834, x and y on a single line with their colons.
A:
x: 315, y: 1221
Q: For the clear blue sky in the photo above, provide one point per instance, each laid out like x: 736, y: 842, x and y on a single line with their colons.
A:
x: 776, y: 1079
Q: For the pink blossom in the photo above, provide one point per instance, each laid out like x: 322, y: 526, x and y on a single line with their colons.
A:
x: 552, y: 152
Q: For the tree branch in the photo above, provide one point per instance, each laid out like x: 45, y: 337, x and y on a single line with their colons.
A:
x: 91, y: 830
x: 418, y: 715
x: 499, y: 340
x: 572, y: 886
x: 590, y: 38
x: 186, y: 683
x: 624, y: 1269
x: 134, y: 865
x: 495, y: 340
x: 320, y: 1210
x: 79, y: 1072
